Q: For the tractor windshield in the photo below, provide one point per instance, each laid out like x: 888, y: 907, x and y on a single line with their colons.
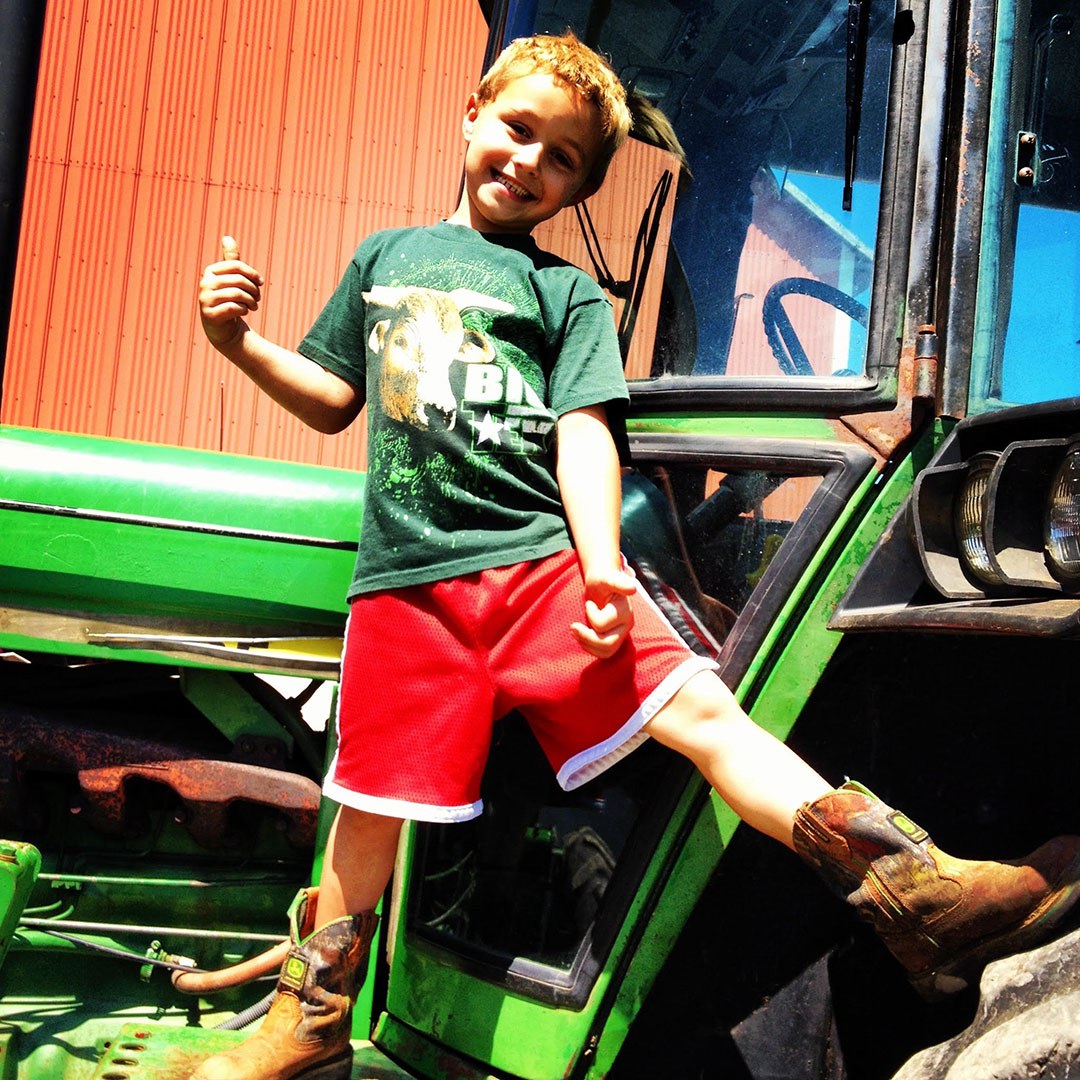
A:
x: 759, y: 246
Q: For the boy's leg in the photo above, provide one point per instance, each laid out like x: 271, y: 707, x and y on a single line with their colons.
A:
x: 392, y: 765
x: 360, y: 853
x: 943, y: 918
x: 758, y: 776
x: 306, y: 1033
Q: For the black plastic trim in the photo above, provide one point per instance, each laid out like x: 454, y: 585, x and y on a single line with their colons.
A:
x: 712, y: 394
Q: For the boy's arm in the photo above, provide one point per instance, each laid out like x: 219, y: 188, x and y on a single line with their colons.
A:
x: 587, y: 470
x: 228, y: 291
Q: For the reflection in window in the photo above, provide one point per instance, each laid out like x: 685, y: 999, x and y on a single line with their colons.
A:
x: 703, y: 539
x: 528, y: 880
x: 755, y: 93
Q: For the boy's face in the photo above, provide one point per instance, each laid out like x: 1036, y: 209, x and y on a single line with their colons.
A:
x: 529, y: 154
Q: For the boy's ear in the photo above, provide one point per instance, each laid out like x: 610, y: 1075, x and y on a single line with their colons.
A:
x: 472, y: 109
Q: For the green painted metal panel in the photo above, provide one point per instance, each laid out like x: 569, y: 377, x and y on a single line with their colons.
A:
x: 9, y: 1053
x: 169, y: 482
x: 124, y: 532
x: 760, y: 427
x: 424, y: 1058
x: 482, y: 1020
x: 793, y: 674
x: 702, y: 850
x: 19, y: 866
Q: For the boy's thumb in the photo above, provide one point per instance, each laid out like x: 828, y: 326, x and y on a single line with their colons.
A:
x: 230, y: 249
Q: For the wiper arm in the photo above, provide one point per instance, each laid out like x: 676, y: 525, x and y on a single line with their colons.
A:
x: 858, y: 30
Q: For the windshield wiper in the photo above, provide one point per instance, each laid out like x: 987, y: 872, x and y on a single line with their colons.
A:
x: 858, y: 30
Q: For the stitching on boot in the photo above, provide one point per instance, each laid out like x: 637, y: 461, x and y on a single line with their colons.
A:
x: 810, y: 824
x: 904, y: 922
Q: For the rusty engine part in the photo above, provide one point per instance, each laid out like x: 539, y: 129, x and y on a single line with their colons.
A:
x: 103, y: 762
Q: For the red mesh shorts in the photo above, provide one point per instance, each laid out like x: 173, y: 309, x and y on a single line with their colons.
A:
x: 428, y: 669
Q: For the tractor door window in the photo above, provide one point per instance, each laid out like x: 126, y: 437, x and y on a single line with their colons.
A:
x: 538, y: 884
x: 1027, y: 343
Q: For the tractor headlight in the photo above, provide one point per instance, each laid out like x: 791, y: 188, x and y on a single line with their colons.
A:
x: 1001, y: 521
x: 1061, y: 533
x: 970, y: 518
x: 988, y: 539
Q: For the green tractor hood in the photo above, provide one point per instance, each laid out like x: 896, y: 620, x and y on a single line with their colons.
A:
x: 206, y: 558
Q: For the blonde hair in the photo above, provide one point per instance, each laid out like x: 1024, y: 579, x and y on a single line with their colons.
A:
x: 574, y: 63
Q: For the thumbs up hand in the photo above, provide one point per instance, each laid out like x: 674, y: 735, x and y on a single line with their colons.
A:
x: 228, y: 291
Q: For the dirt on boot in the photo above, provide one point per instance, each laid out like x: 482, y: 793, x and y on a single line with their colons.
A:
x: 943, y: 918
x: 306, y: 1033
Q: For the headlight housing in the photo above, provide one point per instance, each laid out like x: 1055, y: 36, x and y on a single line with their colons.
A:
x: 1002, y: 521
x: 988, y: 538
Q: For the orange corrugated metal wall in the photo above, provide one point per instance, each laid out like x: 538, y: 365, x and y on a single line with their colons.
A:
x: 298, y: 126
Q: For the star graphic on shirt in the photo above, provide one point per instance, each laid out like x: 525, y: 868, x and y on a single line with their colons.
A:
x: 487, y: 430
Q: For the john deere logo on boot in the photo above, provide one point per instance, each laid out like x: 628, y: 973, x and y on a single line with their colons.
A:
x: 913, y: 832
x: 292, y: 974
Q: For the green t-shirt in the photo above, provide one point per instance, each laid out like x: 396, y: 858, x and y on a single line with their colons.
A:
x: 467, y: 347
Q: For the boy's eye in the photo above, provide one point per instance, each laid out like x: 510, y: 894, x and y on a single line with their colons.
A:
x: 564, y: 160
x: 518, y: 128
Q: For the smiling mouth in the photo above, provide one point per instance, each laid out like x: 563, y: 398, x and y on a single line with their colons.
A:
x: 514, y: 188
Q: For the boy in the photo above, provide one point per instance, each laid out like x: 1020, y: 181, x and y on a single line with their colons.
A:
x: 489, y: 576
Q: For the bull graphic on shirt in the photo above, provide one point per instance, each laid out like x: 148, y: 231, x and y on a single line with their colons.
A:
x: 421, y: 335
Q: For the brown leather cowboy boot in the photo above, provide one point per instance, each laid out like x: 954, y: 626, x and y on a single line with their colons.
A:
x: 943, y: 918
x: 306, y: 1033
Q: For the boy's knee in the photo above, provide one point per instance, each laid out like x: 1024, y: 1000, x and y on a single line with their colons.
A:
x: 703, y: 700
x: 705, y: 696
x: 354, y: 820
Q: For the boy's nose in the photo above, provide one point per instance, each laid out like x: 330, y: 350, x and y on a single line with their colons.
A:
x: 528, y: 156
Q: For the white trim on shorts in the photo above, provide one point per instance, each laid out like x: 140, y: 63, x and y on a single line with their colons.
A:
x: 397, y: 808
x: 590, y: 763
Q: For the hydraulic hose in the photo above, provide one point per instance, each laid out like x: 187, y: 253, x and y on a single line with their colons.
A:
x: 249, y: 1015
x: 210, y: 982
